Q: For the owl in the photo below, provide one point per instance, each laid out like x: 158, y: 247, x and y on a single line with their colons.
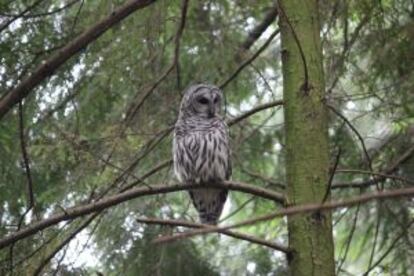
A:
x: 201, y: 149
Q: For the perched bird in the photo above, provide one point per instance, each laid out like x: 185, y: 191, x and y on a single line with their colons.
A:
x: 201, y: 149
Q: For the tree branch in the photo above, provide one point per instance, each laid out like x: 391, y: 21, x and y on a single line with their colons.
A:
x: 386, y: 173
x: 109, y: 201
x: 26, y: 158
x: 236, y: 235
x: 47, y: 68
x: 253, y: 111
x: 307, y: 208
x: 258, y: 30
x: 250, y: 60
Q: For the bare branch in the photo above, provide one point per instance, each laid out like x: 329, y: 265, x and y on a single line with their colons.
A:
x: 307, y: 208
x: 26, y: 158
x: 350, y: 125
x: 386, y: 173
x: 109, y: 201
x: 236, y: 235
x: 331, y: 176
x: 250, y: 60
x: 253, y: 111
x: 382, y: 175
x: 258, y: 30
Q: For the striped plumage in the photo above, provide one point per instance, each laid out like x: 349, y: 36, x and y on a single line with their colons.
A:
x: 201, y: 150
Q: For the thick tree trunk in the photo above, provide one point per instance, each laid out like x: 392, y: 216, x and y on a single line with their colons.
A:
x: 310, y: 235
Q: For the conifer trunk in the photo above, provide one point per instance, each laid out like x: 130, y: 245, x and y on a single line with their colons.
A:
x: 310, y: 235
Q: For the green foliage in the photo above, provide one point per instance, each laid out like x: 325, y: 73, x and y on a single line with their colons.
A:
x: 79, y: 143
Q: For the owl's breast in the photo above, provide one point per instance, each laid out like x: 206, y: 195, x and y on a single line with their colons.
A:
x: 202, y: 156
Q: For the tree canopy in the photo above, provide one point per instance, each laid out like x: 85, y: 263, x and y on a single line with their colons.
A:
x: 90, y: 92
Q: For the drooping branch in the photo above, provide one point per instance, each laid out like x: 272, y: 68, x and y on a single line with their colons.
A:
x: 47, y: 68
x: 298, y: 209
x: 351, y: 126
x: 109, y: 201
x: 259, y: 29
x: 26, y: 162
x: 236, y: 235
x: 249, y: 60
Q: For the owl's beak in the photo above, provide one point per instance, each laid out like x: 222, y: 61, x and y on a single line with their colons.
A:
x: 211, y: 111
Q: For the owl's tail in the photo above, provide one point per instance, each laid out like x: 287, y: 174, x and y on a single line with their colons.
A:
x: 209, y: 204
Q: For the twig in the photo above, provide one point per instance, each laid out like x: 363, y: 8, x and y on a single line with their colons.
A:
x: 26, y: 158
x: 331, y: 177
x: 253, y: 111
x: 382, y: 175
x: 350, y: 125
x: 259, y: 29
x: 282, y: 13
x: 250, y: 60
x: 157, y: 168
x: 405, y: 192
x: 236, y: 235
x: 63, y: 243
x: 349, y: 239
x: 376, y: 234
x: 17, y: 16
x: 390, y: 248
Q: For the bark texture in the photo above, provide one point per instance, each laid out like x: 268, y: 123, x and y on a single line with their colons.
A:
x: 310, y: 235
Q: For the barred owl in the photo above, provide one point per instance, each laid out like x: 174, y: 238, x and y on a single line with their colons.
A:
x: 201, y: 150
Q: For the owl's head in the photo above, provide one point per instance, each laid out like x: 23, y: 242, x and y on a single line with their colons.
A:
x: 202, y: 100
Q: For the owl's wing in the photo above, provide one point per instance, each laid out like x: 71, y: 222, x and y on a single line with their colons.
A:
x: 229, y: 168
x: 185, y: 155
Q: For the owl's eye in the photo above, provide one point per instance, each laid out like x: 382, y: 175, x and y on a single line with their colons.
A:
x: 216, y: 99
x: 203, y: 100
